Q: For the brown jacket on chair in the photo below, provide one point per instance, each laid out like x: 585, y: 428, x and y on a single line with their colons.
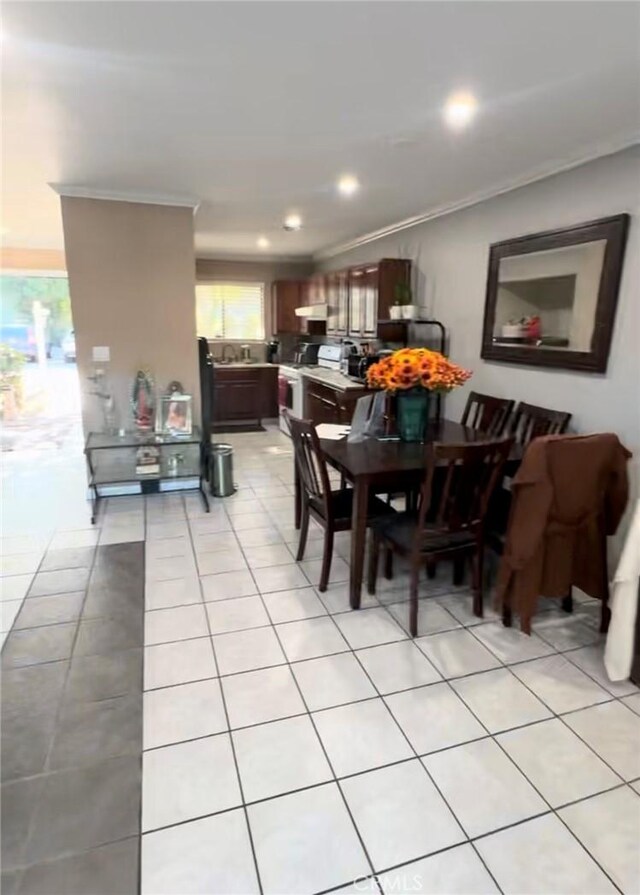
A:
x: 568, y: 495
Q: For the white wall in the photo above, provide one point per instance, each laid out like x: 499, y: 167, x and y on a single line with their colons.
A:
x: 451, y: 257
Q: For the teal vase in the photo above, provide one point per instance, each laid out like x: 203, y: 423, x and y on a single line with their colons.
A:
x: 412, y: 414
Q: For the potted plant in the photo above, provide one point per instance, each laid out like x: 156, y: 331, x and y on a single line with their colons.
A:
x: 412, y: 375
x: 403, y: 308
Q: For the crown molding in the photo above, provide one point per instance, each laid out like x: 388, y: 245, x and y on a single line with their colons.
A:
x: 74, y: 191
x: 247, y: 258
x: 609, y: 148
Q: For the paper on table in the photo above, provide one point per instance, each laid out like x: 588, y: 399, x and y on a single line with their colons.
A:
x: 332, y: 431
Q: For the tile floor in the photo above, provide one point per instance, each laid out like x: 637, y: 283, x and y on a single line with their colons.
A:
x: 294, y: 746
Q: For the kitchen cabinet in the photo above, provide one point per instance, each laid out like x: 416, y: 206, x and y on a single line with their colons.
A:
x: 337, y: 296
x: 286, y: 296
x: 244, y: 394
x: 372, y: 292
x: 328, y: 404
x: 356, y: 305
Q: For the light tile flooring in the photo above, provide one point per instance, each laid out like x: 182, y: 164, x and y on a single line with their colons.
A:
x: 294, y: 746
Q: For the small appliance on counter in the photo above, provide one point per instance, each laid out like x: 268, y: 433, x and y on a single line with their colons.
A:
x: 358, y: 364
x: 245, y: 354
x: 306, y: 353
x: 272, y: 350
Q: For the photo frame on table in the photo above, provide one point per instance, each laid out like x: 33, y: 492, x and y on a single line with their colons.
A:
x: 175, y: 415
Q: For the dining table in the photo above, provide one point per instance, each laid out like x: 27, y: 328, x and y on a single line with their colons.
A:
x: 385, y: 466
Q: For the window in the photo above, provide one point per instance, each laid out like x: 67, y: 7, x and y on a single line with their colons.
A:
x: 230, y: 311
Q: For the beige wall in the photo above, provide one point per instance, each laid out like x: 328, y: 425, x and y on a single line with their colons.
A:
x: 451, y: 257
x: 131, y: 275
x: 31, y: 259
x: 209, y: 269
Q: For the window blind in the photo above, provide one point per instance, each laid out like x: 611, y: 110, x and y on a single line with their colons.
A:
x: 230, y: 311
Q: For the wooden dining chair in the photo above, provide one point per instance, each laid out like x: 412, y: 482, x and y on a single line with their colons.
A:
x: 454, y: 527
x: 331, y: 508
x: 487, y: 413
x: 529, y: 422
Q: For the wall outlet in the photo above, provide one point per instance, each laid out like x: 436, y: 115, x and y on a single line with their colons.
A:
x: 101, y: 354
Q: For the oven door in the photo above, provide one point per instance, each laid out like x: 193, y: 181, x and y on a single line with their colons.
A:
x: 285, y: 393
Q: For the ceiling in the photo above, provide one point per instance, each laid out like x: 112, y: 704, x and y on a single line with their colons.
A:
x: 255, y: 108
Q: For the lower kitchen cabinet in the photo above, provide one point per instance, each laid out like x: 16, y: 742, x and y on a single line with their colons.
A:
x: 326, y: 404
x: 245, y: 394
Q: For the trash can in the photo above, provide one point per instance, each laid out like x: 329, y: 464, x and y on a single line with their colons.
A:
x: 221, y: 482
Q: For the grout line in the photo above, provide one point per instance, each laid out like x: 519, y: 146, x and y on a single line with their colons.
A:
x: 230, y: 737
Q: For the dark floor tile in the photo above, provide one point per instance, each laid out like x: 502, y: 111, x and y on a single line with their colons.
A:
x: 25, y: 744
x: 109, y: 870
x: 89, y: 732
x: 107, y: 635
x: 62, y: 581
x: 68, y: 558
x: 50, y: 610
x: 92, y: 678
x: 35, y: 645
x: 86, y: 807
x: 33, y: 689
x: 30, y: 700
x: 113, y: 602
x: 9, y: 882
x: 18, y: 805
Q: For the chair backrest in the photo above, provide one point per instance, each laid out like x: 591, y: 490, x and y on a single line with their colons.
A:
x: 487, y: 413
x: 459, y: 482
x: 309, y: 459
x: 529, y: 422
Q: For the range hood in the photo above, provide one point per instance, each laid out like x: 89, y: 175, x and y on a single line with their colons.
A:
x: 313, y: 312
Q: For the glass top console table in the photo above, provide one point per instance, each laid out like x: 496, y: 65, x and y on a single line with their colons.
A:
x: 146, y: 459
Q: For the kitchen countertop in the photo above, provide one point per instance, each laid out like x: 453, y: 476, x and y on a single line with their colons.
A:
x: 332, y: 377
x: 239, y: 365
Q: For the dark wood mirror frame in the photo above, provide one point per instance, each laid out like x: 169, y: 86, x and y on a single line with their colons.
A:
x: 614, y: 231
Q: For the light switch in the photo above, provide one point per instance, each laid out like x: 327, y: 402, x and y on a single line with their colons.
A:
x: 101, y: 353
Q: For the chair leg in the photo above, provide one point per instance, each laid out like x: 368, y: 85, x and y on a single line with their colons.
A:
x: 388, y: 563
x: 432, y: 568
x: 605, y: 617
x: 413, y: 595
x: 477, y: 582
x: 304, y: 531
x: 374, y: 559
x: 327, y: 555
x: 458, y: 572
x: 567, y: 603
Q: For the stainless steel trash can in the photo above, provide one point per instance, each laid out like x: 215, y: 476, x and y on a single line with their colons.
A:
x: 222, y: 484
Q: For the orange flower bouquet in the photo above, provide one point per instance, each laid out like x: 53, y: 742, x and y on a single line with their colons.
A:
x: 412, y: 374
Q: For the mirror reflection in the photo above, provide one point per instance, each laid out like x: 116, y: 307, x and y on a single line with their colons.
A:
x: 549, y: 299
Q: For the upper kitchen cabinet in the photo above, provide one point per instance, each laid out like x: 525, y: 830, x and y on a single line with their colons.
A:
x: 337, y: 292
x: 372, y: 292
x: 317, y: 289
x: 286, y: 296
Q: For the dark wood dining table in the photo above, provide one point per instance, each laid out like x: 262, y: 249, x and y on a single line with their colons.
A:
x: 387, y: 466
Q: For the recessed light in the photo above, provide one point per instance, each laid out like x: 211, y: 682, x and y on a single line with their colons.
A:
x: 348, y: 185
x: 459, y: 109
x: 292, y: 222
x: 263, y: 242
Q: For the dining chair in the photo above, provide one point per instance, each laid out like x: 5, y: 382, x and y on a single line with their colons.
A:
x: 451, y: 529
x: 527, y: 422
x: 487, y: 413
x: 331, y: 508
x: 530, y: 421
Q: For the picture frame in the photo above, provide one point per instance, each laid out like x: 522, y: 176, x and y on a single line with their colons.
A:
x: 175, y: 415
x: 611, y: 232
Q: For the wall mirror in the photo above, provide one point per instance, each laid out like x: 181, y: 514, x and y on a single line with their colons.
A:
x: 551, y: 297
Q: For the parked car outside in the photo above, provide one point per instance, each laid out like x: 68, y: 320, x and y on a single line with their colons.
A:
x: 21, y: 338
x: 69, y: 348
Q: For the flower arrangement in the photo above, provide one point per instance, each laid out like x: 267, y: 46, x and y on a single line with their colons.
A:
x: 411, y: 368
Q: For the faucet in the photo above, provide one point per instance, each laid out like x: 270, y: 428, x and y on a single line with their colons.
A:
x: 224, y: 352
